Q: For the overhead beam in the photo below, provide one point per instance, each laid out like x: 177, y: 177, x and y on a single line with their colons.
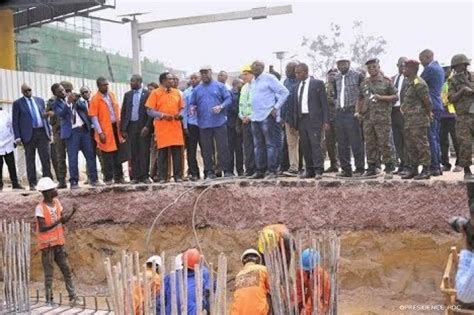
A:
x: 256, y: 13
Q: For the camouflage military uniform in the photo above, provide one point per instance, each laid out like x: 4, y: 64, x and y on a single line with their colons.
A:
x: 464, y: 116
x: 416, y: 124
x: 377, y: 119
x: 330, y: 135
x: 58, y: 146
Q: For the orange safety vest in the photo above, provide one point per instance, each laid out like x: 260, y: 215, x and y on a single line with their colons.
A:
x: 55, y: 236
x: 251, y: 290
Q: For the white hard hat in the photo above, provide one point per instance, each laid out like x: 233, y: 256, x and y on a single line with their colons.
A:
x: 178, y: 262
x: 250, y: 251
x: 155, y: 259
x: 46, y: 183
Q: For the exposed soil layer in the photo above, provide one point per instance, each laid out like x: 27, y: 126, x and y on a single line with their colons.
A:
x: 379, y: 271
x: 236, y: 205
x: 394, y: 234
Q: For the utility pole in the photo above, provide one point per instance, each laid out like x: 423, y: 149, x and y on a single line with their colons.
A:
x: 138, y: 29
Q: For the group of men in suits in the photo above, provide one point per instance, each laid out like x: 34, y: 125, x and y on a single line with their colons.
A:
x: 378, y: 119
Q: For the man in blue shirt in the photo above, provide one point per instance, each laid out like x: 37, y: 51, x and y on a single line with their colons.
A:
x: 191, y: 129
x: 433, y: 74
x: 268, y: 96
x: 210, y: 101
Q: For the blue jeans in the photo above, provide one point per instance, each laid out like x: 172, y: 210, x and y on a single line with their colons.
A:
x: 349, y: 136
x: 80, y: 140
x: 433, y: 137
x: 267, y: 140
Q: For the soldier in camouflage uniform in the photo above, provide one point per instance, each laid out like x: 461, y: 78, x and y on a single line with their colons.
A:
x: 416, y: 110
x: 461, y: 94
x: 330, y: 134
x: 375, y: 107
x: 58, y: 146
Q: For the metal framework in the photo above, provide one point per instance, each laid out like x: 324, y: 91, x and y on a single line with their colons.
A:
x: 30, y: 13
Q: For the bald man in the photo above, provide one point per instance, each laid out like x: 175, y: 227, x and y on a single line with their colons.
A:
x: 32, y: 130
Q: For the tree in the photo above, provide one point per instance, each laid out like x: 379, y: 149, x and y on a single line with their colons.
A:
x: 324, y: 50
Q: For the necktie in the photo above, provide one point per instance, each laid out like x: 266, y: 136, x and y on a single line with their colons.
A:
x: 300, y: 96
x: 343, y: 87
x: 73, y: 114
x: 33, y: 112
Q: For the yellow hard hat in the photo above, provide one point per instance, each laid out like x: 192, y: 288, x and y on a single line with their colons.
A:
x: 246, y: 68
x: 267, y: 239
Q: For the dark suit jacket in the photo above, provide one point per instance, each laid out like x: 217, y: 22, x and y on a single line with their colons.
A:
x: 404, y: 86
x: 126, y: 114
x: 65, y: 116
x: 317, y: 103
x: 23, y: 122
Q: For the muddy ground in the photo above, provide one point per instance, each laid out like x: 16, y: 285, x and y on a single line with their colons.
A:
x: 394, y: 235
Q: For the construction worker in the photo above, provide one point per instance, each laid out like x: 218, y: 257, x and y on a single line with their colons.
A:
x: 50, y: 236
x: 275, y: 235
x: 153, y: 278
x: 252, y: 288
x: 191, y: 258
x: 305, y: 282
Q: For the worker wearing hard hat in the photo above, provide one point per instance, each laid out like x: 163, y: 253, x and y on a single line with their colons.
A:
x: 192, y: 259
x: 275, y: 236
x: 51, y: 240
x: 310, y: 268
x: 252, y: 289
x: 152, y: 274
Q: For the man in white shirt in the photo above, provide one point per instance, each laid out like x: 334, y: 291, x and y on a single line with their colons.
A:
x: 7, y: 147
x: 311, y: 105
x: 397, y: 116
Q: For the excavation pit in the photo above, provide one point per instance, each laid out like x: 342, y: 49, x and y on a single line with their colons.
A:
x: 394, y: 234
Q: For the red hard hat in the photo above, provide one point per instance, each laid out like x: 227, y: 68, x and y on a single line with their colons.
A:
x: 191, y: 257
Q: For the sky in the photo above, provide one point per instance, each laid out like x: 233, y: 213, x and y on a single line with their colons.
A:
x: 446, y: 27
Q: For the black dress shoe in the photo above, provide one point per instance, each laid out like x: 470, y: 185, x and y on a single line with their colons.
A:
x: 332, y: 169
x: 257, y: 175
x: 436, y: 172
x: 306, y: 175
x: 425, y: 174
x: 135, y: 181
x: 147, y: 180
x: 62, y: 184
x: 17, y: 186
x: 344, y: 173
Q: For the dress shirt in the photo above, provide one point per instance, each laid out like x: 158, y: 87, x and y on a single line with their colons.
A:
x: 7, y: 139
x: 108, y: 101
x: 76, y: 120
x: 189, y: 117
x: 137, y: 94
x: 343, y: 91
x: 206, y: 96
x: 400, y: 78
x: 34, y: 110
x: 304, y: 100
x: 267, y: 93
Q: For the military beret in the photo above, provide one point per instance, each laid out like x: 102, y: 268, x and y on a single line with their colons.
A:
x: 370, y: 61
x: 412, y: 63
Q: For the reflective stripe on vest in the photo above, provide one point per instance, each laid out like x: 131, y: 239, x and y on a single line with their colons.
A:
x: 55, y: 236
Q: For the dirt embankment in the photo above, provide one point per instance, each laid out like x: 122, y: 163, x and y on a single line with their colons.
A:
x: 344, y: 206
x: 394, y: 235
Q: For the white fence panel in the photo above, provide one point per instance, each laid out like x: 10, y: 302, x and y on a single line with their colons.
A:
x: 11, y: 81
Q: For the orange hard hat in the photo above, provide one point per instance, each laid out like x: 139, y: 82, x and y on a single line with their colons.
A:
x: 192, y: 257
